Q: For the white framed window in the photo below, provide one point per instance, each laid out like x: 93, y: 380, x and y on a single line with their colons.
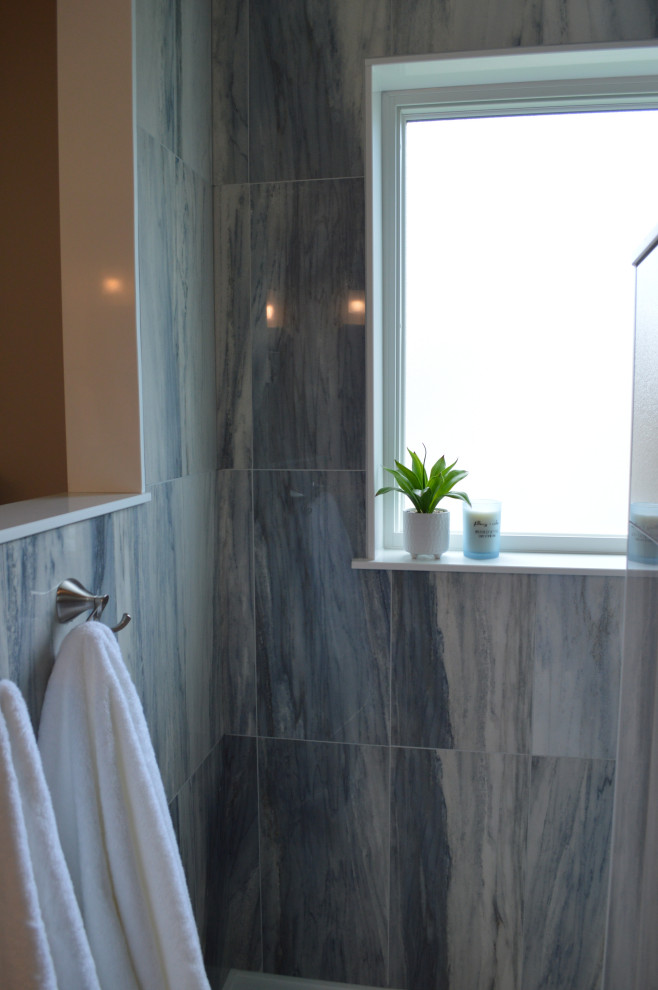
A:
x: 453, y: 143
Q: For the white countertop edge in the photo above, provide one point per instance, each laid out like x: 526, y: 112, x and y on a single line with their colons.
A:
x: 507, y: 563
x: 38, y: 515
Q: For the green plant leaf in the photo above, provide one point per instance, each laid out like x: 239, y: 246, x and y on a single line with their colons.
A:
x: 419, y: 468
x: 403, y: 481
x: 460, y: 495
x: 423, y: 491
x: 439, y: 467
x: 414, y: 480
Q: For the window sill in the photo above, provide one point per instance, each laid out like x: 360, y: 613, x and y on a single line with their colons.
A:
x: 37, y: 515
x: 613, y: 565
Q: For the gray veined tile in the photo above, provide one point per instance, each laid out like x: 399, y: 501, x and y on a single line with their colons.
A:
x: 195, y: 99
x: 322, y: 628
x: 156, y: 188
x: 425, y: 26
x: 149, y: 558
x: 632, y: 923
x: 30, y: 571
x: 233, y: 326
x: 577, y: 666
x: 216, y: 818
x: 324, y: 850
x: 234, y: 593
x: 458, y: 833
x: 173, y: 77
x: 569, y: 830
x: 200, y: 644
x: 308, y: 353
x: 462, y: 661
x: 235, y: 861
x: 306, y: 85
x: 156, y: 69
x: 194, y: 319
x: 230, y: 91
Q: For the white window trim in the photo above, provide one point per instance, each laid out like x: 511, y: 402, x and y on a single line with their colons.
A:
x: 627, y: 74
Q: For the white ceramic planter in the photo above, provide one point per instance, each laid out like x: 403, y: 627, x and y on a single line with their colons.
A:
x: 426, y: 533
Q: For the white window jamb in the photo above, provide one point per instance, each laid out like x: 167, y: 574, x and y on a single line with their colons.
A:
x: 389, y: 112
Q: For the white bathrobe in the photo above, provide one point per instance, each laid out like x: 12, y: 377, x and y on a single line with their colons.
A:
x: 113, y: 819
x: 43, y: 945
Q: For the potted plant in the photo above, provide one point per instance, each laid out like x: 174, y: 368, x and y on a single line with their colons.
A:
x: 426, y: 526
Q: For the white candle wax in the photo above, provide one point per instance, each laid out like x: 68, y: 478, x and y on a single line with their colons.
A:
x: 482, y: 528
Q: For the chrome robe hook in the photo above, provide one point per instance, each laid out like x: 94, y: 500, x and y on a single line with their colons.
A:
x: 73, y: 599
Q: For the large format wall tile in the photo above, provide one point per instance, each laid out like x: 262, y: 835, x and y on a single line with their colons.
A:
x: 308, y: 359
x: 173, y: 76
x: 194, y: 132
x: 306, y: 85
x: 235, y: 861
x: 148, y: 546
x: 569, y: 828
x: 156, y: 174
x: 577, y: 666
x: 324, y: 849
x: 194, y: 317
x: 458, y: 833
x: 230, y: 90
x: 425, y: 26
x: 233, y: 326
x: 203, y: 681
x: 177, y: 315
x: 30, y: 570
x: 631, y: 957
x: 235, y: 602
x: 322, y: 628
x: 461, y: 661
x: 216, y: 818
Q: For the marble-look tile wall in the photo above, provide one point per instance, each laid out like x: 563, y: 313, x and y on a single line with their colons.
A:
x: 423, y: 765
x: 156, y: 561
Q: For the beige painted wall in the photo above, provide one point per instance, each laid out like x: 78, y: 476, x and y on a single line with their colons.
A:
x: 32, y: 423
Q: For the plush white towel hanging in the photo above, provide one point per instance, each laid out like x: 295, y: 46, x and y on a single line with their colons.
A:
x: 43, y: 945
x: 113, y: 819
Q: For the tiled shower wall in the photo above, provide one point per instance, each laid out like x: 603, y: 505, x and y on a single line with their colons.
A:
x: 156, y: 561
x: 418, y: 771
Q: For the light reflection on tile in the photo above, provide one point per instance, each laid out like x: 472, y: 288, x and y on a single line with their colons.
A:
x: 308, y: 362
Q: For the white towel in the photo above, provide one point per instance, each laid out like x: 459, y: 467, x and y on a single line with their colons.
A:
x: 113, y: 819
x: 42, y: 940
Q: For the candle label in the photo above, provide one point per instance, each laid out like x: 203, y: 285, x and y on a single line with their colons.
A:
x: 486, y: 530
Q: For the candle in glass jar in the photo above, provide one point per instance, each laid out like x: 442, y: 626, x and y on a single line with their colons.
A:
x: 482, y: 528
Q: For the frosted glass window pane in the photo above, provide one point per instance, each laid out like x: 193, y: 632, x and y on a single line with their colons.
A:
x: 519, y: 304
